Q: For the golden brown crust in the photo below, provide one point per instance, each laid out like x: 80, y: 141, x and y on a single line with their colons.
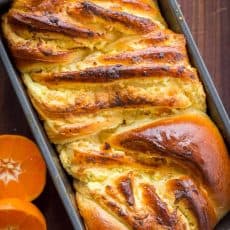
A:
x: 185, y: 190
x: 105, y: 74
x: 160, y: 207
x: 194, y: 140
x: 154, y: 54
x: 202, y: 197
x: 96, y: 217
x: 124, y: 107
x: 116, y: 100
x: 140, y: 24
x: 23, y: 52
x: 49, y: 23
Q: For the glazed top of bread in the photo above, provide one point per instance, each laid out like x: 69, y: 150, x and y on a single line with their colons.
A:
x: 90, y: 65
x: 126, y: 110
x: 173, y: 168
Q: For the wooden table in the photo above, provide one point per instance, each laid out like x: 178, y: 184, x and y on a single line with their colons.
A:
x: 209, y: 22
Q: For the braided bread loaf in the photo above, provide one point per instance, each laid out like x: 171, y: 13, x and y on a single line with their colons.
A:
x: 126, y: 111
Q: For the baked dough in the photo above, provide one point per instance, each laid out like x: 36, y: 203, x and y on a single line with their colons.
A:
x: 126, y: 110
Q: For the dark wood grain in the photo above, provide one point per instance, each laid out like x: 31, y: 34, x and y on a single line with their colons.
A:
x: 209, y: 22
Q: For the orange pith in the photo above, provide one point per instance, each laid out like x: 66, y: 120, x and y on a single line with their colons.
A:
x: 20, y: 215
x: 22, y: 168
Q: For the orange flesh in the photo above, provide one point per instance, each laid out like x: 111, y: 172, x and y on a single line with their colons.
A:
x: 22, y: 168
x: 20, y: 215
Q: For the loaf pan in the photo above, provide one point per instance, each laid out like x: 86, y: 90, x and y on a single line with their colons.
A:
x: 173, y: 15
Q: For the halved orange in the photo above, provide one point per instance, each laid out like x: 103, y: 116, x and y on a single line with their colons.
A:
x: 21, y: 215
x: 22, y: 168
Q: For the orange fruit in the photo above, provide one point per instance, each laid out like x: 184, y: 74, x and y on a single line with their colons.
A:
x: 21, y: 215
x: 22, y: 168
